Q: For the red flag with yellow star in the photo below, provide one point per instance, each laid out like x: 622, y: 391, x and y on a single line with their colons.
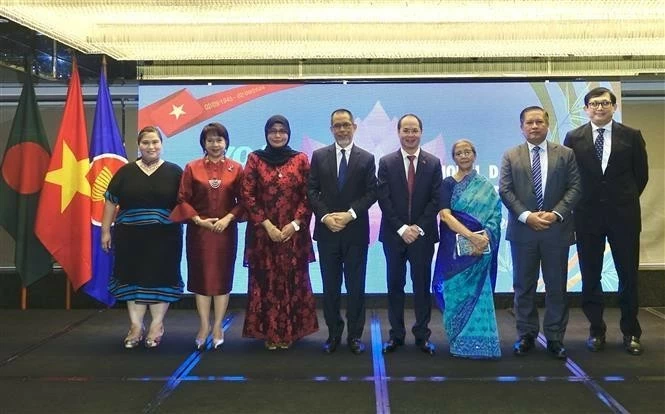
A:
x: 63, y: 213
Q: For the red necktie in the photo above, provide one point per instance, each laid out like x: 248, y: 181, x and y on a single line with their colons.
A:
x: 411, y: 180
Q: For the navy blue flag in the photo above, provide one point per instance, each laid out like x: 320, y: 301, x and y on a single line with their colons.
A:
x: 107, y: 155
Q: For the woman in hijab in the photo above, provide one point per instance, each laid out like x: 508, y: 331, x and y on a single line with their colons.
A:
x: 278, y: 246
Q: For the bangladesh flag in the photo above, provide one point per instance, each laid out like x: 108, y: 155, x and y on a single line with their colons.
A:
x: 24, y: 166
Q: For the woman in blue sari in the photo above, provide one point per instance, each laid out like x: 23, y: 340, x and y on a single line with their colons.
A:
x: 465, y: 275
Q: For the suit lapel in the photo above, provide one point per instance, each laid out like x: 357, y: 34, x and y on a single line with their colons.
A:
x: 590, y: 149
x: 525, y: 159
x: 614, y: 144
x: 422, y: 166
x: 400, y: 171
x: 552, y: 156
x: 353, y: 162
x: 331, y: 164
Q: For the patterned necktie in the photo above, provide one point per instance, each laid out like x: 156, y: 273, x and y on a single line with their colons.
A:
x: 600, y: 140
x: 341, y: 175
x: 537, y: 177
x: 411, y: 179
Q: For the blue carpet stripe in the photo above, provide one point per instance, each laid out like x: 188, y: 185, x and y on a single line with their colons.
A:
x: 599, y: 391
x: 182, y: 371
x: 344, y: 378
x: 380, y: 383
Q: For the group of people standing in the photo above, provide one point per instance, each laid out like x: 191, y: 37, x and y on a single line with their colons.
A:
x: 590, y: 185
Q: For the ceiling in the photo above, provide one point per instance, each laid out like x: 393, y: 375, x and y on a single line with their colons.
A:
x: 192, y: 34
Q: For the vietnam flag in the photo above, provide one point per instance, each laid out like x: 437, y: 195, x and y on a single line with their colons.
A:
x: 63, y: 213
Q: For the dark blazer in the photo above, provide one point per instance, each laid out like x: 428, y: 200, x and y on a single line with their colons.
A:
x: 616, y: 193
x: 358, y: 192
x: 562, y: 191
x: 394, y: 199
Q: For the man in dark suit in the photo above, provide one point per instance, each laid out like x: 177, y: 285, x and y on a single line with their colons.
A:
x: 341, y: 189
x: 612, y: 160
x: 409, y: 192
x: 540, y: 185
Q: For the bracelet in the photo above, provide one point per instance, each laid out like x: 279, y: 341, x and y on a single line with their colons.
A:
x: 295, y: 225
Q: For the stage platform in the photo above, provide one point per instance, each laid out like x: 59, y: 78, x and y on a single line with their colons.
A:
x: 57, y: 361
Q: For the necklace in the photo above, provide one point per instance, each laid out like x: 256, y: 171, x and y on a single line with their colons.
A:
x: 279, y: 172
x: 149, y: 167
x: 214, y: 182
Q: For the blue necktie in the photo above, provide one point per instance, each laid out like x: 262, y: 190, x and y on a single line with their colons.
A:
x: 537, y: 177
x: 600, y: 140
x: 341, y: 175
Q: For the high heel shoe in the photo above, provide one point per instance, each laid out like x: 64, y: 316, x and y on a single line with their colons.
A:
x: 154, y: 342
x: 217, y: 343
x: 199, y: 343
x: 132, y: 341
x: 201, y: 339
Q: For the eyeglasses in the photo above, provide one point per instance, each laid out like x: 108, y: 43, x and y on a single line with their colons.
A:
x: 466, y: 153
x: 408, y: 131
x: 596, y: 104
x: 277, y: 131
x: 343, y: 125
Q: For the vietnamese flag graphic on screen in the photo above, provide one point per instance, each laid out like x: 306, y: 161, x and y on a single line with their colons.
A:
x: 63, y: 214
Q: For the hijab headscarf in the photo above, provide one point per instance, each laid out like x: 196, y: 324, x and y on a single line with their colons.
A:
x: 272, y: 155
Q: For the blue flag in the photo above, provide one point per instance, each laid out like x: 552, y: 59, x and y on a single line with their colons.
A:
x: 107, y: 155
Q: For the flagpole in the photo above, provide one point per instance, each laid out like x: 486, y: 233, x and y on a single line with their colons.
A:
x: 24, y: 298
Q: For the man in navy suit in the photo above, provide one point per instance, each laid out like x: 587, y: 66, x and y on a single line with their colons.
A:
x: 539, y: 185
x: 341, y: 189
x: 409, y: 192
x: 612, y: 160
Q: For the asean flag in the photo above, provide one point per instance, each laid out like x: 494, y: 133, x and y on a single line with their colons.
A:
x: 63, y: 213
x: 107, y: 155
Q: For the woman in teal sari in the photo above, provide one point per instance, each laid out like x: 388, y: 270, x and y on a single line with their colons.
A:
x: 464, y: 278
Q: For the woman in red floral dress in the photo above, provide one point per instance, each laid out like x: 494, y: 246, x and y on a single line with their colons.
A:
x: 278, y: 246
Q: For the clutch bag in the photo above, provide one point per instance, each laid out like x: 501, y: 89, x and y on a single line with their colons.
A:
x: 464, y: 247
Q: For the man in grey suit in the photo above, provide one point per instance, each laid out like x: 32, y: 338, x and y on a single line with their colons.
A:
x: 540, y: 185
x: 612, y: 159
x: 341, y: 189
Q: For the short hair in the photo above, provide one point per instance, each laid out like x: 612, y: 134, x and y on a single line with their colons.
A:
x: 463, y: 141
x: 534, y: 108
x: 146, y: 130
x: 218, y: 129
x: 399, y: 123
x: 341, y: 111
x: 599, y: 91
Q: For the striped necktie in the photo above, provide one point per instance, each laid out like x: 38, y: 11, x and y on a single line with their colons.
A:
x: 537, y: 177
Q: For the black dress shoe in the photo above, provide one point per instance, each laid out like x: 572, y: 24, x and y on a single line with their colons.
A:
x: 556, y: 349
x: 356, y: 346
x: 595, y: 343
x: 331, y: 345
x: 392, y: 345
x: 428, y: 348
x: 523, y: 345
x: 632, y: 345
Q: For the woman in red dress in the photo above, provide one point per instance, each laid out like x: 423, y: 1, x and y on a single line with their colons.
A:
x: 278, y: 246
x: 208, y: 199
